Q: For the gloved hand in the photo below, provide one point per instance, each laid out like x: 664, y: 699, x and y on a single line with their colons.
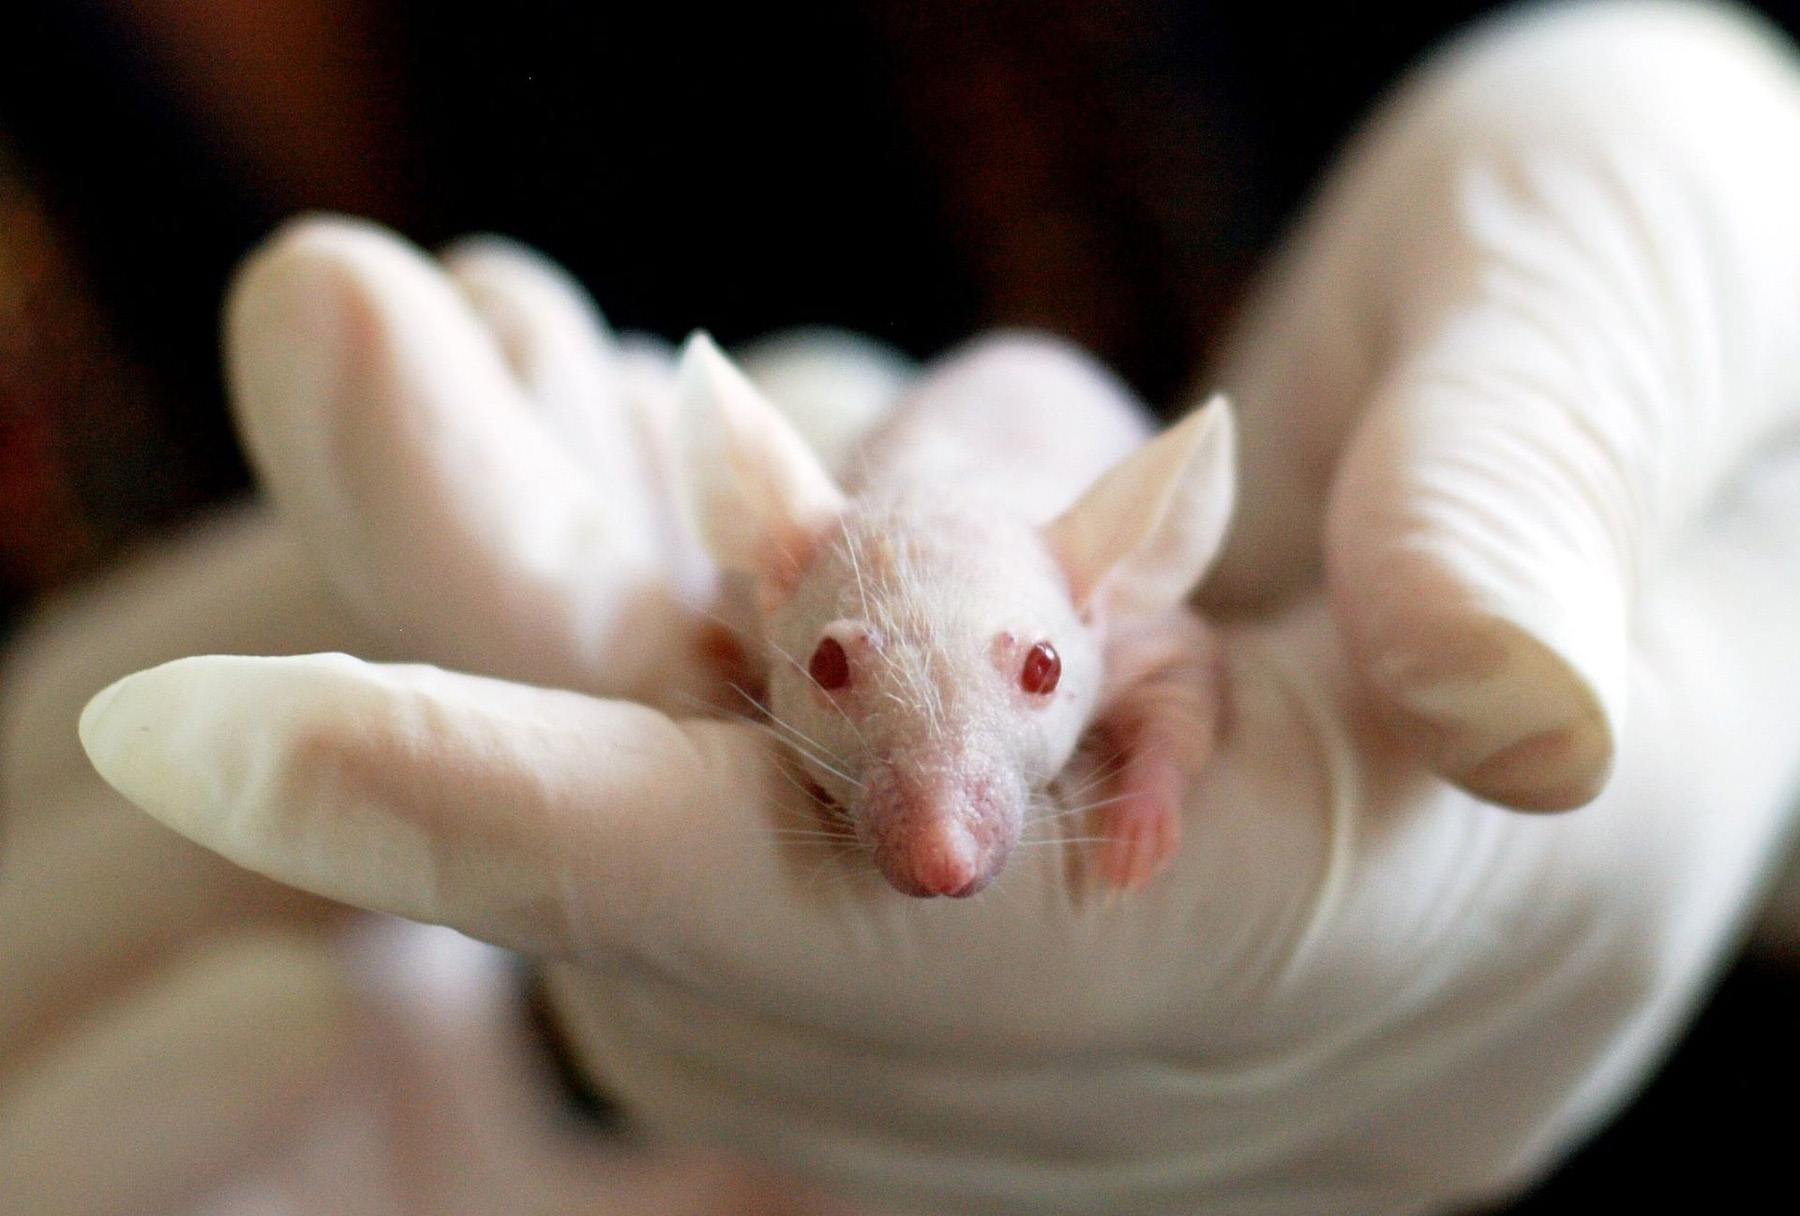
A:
x: 1524, y: 371
x: 178, y: 1035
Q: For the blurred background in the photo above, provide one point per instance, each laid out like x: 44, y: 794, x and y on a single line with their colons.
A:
x: 1111, y: 170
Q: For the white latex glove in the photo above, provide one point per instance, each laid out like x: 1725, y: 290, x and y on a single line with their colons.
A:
x: 1539, y: 323
x: 178, y: 1035
x: 1521, y: 361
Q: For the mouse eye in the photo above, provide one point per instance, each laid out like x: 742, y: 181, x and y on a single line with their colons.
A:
x: 1041, y: 670
x: 829, y: 666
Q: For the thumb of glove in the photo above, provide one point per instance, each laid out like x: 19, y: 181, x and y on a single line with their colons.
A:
x: 1576, y: 280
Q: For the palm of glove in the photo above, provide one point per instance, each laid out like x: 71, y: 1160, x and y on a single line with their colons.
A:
x: 1347, y: 948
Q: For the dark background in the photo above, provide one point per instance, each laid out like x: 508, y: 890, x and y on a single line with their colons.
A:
x: 915, y: 171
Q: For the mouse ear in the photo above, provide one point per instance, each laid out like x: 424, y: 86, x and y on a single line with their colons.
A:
x: 756, y: 494
x: 1142, y: 535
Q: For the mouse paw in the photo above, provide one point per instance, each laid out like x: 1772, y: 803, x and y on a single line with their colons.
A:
x: 1141, y: 830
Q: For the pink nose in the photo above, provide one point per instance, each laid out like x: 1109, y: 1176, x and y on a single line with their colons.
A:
x: 941, y: 857
x: 946, y: 833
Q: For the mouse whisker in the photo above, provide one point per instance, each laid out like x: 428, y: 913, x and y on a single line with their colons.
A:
x: 776, y: 731
x: 834, y: 840
x: 839, y: 870
x: 810, y: 755
x: 853, y: 549
x: 790, y: 733
x: 1101, y: 774
x: 1078, y: 810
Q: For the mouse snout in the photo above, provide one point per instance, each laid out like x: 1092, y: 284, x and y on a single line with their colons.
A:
x: 942, y: 857
x: 946, y: 832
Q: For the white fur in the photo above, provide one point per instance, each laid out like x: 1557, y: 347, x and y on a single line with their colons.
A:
x: 937, y: 577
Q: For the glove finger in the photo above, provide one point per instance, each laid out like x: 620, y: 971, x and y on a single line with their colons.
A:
x: 558, y: 347
x: 558, y: 824
x: 173, y: 1088
x: 552, y: 334
x: 543, y: 820
x: 385, y: 423
x: 1571, y: 287
x: 235, y: 583
x: 611, y: 405
x: 832, y: 384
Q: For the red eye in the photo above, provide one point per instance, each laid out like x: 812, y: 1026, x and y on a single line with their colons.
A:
x: 1042, y: 669
x: 829, y: 666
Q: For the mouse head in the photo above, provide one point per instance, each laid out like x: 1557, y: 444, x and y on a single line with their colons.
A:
x: 934, y: 658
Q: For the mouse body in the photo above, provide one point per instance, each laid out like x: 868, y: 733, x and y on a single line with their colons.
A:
x: 980, y: 589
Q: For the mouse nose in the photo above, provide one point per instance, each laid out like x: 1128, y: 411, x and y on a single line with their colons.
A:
x: 939, y: 835
x: 943, y: 858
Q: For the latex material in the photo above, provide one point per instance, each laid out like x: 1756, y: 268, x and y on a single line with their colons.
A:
x: 1346, y: 950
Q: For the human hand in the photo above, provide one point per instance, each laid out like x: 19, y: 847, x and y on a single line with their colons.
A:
x: 1356, y: 989
x: 178, y: 1035
x: 1530, y: 338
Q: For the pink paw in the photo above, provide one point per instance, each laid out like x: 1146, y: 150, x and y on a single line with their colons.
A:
x: 1142, y: 829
